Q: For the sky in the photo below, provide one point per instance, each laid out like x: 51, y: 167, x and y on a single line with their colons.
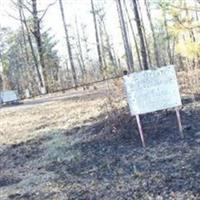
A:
x: 81, y: 9
x: 73, y: 8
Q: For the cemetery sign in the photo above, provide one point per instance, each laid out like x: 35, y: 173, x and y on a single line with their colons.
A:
x: 152, y: 90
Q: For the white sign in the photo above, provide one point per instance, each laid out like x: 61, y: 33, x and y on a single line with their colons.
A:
x: 8, y: 96
x: 152, y: 90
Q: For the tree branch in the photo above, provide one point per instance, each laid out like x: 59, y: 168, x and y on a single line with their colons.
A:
x: 184, y: 8
x: 186, y: 27
x: 45, y: 11
x: 22, y: 4
x: 13, y: 17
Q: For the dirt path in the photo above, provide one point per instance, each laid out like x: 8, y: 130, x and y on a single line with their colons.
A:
x: 69, y: 148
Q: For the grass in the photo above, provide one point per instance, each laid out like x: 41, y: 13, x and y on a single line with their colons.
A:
x: 87, y: 147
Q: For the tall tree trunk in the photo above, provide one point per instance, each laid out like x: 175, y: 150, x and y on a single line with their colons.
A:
x: 30, y: 77
x: 23, y: 31
x: 108, y: 45
x: 141, y: 36
x: 134, y: 36
x: 36, y: 64
x: 144, y: 34
x: 68, y: 44
x: 38, y: 38
x: 85, y: 41
x: 127, y: 46
x: 2, y: 75
x: 1, y: 82
x: 101, y: 34
x: 68, y: 75
x: 82, y: 62
x: 117, y: 67
x: 97, y: 38
x: 168, y: 38
x: 156, y: 52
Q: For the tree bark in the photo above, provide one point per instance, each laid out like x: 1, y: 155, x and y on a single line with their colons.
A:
x: 108, y: 45
x: 68, y: 44
x: 97, y: 38
x: 156, y: 52
x: 127, y: 46
x: 168, y: 38
x: 38, y: 38
x: 36, y: 63
x: 141, y: 36
x: 134, y: 36
x: 82, y: 62
x: 23, y: 31
x: 144, y: 34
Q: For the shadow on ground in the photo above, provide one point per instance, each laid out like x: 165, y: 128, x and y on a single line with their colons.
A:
x: 111, y: 164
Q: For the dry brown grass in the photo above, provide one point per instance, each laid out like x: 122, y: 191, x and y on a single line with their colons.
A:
x: 189, y: 81
x: 25, y: 122
x: 41, y: 147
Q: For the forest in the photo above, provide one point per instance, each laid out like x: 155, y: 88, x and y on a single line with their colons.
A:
x: 151, y: 34
x: 106, y: 101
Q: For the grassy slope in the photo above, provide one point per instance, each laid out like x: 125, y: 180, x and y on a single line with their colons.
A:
x: 72, y: 149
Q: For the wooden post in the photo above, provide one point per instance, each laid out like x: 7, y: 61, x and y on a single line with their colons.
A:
x: 140, y: 130
x: 179, y: 122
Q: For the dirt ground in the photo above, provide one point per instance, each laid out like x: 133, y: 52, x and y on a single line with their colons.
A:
x: 71, y: 147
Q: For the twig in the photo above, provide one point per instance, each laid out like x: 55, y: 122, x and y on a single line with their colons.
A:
x: 45, y: 11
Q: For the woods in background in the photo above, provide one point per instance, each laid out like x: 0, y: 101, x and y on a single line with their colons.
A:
x: 154, y: 33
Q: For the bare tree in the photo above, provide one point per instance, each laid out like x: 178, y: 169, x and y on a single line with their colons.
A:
x: 68, y: 44
x: 20, y: 8
x: 36, y: 31
x: 134, y: 36
x: 144, y: 34
x: 37, y: 34
x: 80, y: 51
x: 31, y: 72
x: 167, y: 36
x: 26, y: 32
x: 141, y: 36
x: 106, y: 47
x: 157, y: 58
x: 127, y: 46
x: 97, y: 38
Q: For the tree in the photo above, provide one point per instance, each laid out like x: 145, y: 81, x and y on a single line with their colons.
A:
x: 21, y: 76
x: 146, y: 40
x: 126, y: 42
x: 80, y: 50
x: 156, y: 52
x: 97, y: 38
x: 134, y: 35
x: 141, y: 36
x: 68, y: 44
x: 37, y: 34
x: 51, y: 59
x: 110, y: 63
x: 5, y: 34
x: 37, y: 66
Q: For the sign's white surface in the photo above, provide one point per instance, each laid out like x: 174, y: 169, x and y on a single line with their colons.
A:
x: 8, y: 96
x: 152, y: 90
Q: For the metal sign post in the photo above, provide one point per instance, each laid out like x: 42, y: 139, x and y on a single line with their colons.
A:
x: 140, y: 130
x: 179, y: 122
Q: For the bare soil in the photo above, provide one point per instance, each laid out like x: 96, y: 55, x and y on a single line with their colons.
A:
x: 71, y: 147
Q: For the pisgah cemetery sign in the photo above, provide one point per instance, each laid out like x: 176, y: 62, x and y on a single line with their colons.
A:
x: 153, y: 90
